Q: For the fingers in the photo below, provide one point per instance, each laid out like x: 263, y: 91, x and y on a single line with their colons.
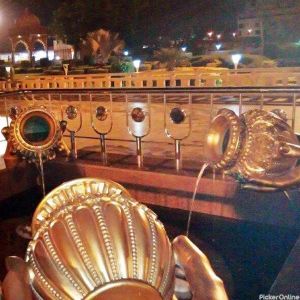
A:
x: 16, y: 282
x: 204, y: 283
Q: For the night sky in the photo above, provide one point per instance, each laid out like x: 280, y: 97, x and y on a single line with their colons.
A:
x: 173, y: 18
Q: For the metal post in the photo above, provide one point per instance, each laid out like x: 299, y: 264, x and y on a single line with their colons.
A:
x: 262, y: 100
x: 73, y: 154
x: 178, y: 155
x: 294, y: 111
x: 103, y: 148
x: 139, y: 152
x: 240, y: 105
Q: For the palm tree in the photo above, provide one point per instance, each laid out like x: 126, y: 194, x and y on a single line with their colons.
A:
x: 103, y: 44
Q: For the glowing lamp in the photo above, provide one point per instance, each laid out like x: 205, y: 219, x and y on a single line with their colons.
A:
x: 136, y: 64
x: 236, y: 59
x: 218, y: 46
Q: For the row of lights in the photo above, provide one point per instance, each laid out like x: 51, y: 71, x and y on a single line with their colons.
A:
x: 236, y: 58
x: 19, y: 36
x: 219, y: 35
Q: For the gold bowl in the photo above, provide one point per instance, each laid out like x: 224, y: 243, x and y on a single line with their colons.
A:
x: 92, y: 241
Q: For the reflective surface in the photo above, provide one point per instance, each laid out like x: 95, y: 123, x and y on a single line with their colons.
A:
x: 101, y: 113
x: 91, y: 239
x: 138, y: 114
x: 177, y: 115
x: 36, y: 129
x: 258, y: 146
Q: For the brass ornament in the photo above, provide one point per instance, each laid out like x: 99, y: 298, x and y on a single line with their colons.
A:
x: 177, y: 115
x: 14, y: 112
x: 35, y: 132
x: 92, y: 241
x: 101, y: 113
x: 258, y: 146
x: 71, y: 112
x: 138, y: 115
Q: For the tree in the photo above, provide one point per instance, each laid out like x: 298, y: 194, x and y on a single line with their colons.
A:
x: 172, y: 58
x: 103, y: 43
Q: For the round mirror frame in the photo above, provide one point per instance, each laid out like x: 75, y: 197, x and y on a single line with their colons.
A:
x: 28, y: 150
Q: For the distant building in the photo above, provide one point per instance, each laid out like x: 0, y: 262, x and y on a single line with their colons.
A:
x: 250, y: 29
x: 269, y: 22
x: 28, y: 40
x: 28, y: 33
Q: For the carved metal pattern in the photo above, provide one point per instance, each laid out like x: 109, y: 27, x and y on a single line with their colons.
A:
x: 31, y: 151
x: 71, y: 112
x: 261, y: 147
x: 110, y: 238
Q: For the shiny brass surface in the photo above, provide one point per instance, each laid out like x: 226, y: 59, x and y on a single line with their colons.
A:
x: 71, y: 112
x: 92, y: 241
x: 125, y: 289
x: 138, y: 114
x: 30, y: 149
x: 258, y: 146
x: 101, y: 113
x: 223, y: 139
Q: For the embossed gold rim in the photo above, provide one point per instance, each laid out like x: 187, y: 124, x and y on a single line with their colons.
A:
x: 93, y: 241
x: 78, y: 188
x: 223, y: 139
x: 19, y: 141
x: 126, y: 290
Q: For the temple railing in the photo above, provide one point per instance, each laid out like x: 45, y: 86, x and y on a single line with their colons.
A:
x: 159, y: 132
x: 172, y: 117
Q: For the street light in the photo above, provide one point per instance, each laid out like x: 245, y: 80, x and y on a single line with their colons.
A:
x: 136, y: 64
x: 236, y: 59
x: 219, y: 36
x: 183, y: 48
x: 250, y: 30
x: 126, y: 52
x: 210, y: 33
x: 218, y: 46
x: 234, y: 34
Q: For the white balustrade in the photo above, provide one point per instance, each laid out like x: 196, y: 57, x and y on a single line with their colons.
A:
x: 194, y: 77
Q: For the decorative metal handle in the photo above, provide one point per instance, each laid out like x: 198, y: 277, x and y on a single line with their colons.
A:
x: 177, y: 116
x: 138, y: 115
x: 101, y: 114
x: 72, y: 113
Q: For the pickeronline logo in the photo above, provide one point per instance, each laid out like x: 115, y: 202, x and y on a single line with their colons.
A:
x: 279, y: 297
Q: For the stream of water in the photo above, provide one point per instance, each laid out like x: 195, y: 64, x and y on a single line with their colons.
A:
x: 41, y: 166
x: 200, y: 175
